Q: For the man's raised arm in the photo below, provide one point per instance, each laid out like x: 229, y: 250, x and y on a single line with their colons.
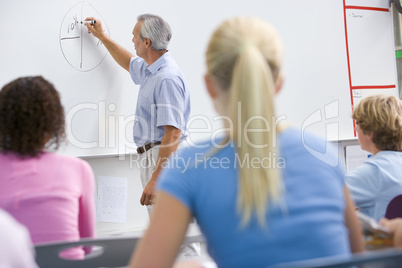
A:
x: 121, y: 55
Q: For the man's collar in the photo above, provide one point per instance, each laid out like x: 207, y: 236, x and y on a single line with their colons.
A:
x: 154, y: 67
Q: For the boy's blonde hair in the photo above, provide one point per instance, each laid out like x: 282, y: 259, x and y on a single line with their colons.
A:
x: 381, y: 115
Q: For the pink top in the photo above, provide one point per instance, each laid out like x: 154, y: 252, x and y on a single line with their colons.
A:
x: 52, y: 195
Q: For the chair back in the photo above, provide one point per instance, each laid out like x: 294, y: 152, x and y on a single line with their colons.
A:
x: 107, y: 252
x: 394, y: 208
x: 388, y: 258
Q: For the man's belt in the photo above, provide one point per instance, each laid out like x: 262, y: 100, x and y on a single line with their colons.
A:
x: 146, y: 147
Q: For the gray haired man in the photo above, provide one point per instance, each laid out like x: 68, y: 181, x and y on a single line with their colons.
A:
x: 163, y: 104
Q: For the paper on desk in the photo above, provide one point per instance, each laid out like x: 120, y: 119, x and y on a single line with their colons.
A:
x: 111, y: 199
x: 370, y: 226
x: 355, y: 156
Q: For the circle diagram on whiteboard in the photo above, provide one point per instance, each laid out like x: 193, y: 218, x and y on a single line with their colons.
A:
x: 81, y: 49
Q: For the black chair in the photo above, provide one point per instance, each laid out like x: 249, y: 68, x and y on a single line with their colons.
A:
x: 394, y: 208
x: 107, y: 252
x: 388, y: 258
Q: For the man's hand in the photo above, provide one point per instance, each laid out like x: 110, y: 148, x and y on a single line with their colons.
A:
x: 169, y: 143
x: 121, y: 55
x: 96, y: 29
x: 148, y: 195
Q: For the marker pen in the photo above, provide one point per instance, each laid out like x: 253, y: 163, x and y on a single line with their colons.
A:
x: 92, y: 22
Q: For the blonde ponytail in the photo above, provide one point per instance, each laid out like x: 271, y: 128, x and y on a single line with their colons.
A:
x: 244, y: 59
x: 252, y: 91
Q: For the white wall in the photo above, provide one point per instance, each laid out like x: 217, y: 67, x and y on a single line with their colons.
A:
x: 100, y: 97
x: 137, y: 216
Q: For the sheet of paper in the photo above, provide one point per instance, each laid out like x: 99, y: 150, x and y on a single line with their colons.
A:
x: 371, y: 51
x: 355, y: 156
x: 111, y: 199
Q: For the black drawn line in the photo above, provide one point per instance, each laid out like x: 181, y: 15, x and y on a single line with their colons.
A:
x: 72, y: 21
x: 82, y: 7
x: 74, y: 37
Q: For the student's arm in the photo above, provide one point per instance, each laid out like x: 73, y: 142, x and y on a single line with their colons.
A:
x: 395, y: 226
x: 121, y: 55
x: 168, y: 225
x: 353, y: 225
x: 169, y: 143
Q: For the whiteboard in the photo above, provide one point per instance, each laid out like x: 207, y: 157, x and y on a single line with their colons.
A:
x: 44, y: 37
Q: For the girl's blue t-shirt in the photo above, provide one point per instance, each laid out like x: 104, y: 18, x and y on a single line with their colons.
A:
x: 307, y: 223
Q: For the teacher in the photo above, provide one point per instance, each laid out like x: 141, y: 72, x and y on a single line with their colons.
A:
x: 163, y: 104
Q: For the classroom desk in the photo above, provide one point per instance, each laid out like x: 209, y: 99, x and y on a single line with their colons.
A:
x: 193, y: 234
x: 375, y: 243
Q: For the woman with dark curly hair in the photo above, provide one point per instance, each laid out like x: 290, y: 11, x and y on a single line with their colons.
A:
x: 379, y: 179
x: 53, y: 195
